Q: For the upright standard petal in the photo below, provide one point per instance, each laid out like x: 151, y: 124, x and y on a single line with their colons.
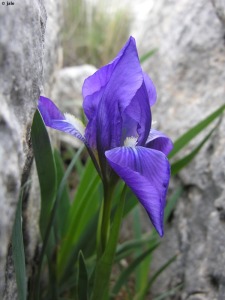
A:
x: 159, y: 141
x: 124, y: 83
x: 94, y: 85
x: 93, y: 89
x: 147, y: 173
x: 138, y: 111
x: 54, y: 118
x: 152, y: 96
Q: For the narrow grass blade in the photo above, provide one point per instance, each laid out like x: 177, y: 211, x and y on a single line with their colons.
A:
x: 131, y: 268
x: 18, y: 252
x: 88, y: 248
x: 137, y: 231
x: 128, y: 248
x: 180, y: 164
x: 83, y: 208
x: 64, y: 203
x: 144, y: 292
x: 147, y: 55
x: 69, y: 154
x: 171, y: 203
x: 82, y: 282
x: 194, y: 131
x: 164, y: 266
x: 169, y: 293
x: 52, y: 218
x: 131, y: 202
x: 78, y: 224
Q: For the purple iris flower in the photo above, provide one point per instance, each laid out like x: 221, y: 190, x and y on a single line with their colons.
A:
x: 118, y: 135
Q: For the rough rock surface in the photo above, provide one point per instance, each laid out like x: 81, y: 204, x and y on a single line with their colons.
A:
x: 23, y: 63
x: 189, y: 73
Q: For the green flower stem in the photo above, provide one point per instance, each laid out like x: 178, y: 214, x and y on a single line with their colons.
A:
x: 105, y: 263
x: 105, y: 224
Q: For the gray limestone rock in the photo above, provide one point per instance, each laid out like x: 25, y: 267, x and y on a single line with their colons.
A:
x: 189, y: 73
x: 24, y: 62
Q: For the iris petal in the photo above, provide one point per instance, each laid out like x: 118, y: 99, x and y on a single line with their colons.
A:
x: 159, y: 141
x: 116, y: 96
x: 54, y: 118
x: 124, y: 83
x: 49, y: 111
x: 94, y: 85
x: 139, y: 111
x: 147, y: 173
x: 93, y: 89
x: 151, y: 90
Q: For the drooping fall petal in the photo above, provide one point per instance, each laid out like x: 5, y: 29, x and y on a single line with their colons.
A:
x: 124, y: 83
x: 147, y: 173
x: 54, y: 118
x: 159, y: 141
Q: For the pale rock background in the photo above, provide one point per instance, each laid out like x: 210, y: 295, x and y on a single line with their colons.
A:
x: 188, y: 70
x: 67, y: 93
x: 28, y: 57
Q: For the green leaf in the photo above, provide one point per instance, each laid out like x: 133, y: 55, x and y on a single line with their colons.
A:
x: 161, y: 269
x: 144, y: 292
x: 171, y: 203
x: 64, y: 202
x: 86, y: 242
x: 147, y: 55
x: 45, y: 167
x: 180, y: 164
x: 128, y: 247
x: 51, y: 222
x: 171, y: 292
x: 18, y: 251
x: 131, y: 202
x: 83, y: 209
x: 104, y: 265
x: 69, y: 154
x: 82, y: 282
x: 140, y: 272
x: 47, y: 180
x: 132, y: 266
x: 89, y: 176
x: 194, y: 131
